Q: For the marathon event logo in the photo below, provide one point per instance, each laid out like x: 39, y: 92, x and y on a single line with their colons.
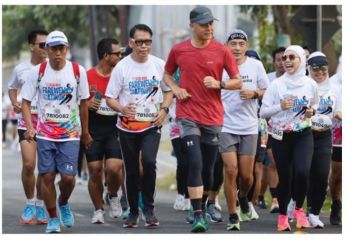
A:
x: 325, y: 105
x: 246, y: 79
x: 142, y: 85
x: 300, y: 105
x: 56, y: 92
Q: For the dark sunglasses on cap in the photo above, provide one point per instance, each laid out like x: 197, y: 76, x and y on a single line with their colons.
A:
x: 140, y: 42
x: 290, y: 56
x: 319, y: 68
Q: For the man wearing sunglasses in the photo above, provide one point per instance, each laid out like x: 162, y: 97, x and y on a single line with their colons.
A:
x: 60, y: 126
x: 34, y: 211
x: 198, y: 107
x: 136, y: 91
x: 102, y: 127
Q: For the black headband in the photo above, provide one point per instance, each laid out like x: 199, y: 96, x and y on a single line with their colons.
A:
x: 237, y: 35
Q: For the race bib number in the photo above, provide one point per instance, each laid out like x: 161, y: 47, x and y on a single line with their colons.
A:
x: 58, y: 114
x: 34, y: 109
x: 277, y: 134
x: 104, y: 109
x: 146, y: 112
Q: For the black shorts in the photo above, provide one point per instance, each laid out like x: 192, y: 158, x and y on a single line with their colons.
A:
x: 337, y: 154
x: 260, y: 151
x: 14, y: 121
x: 21, y: 133
x: 106, y: 144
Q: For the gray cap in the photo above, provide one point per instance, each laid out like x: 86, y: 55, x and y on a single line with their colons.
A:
x: 201, y: 15
x: 236, y: 34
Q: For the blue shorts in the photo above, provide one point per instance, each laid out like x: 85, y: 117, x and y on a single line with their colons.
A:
x: 58, y: 157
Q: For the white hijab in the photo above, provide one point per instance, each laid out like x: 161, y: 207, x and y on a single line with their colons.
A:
x: 298, y: 78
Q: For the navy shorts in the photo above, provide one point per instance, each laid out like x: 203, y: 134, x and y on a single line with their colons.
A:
x: 58, y: 157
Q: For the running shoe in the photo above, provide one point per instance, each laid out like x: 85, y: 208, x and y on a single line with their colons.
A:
x: 125, y: 213
x: 187, y: 204
x: 115, y: 208
x: 290, y: 209
x: 253, y: 214
x: 190, y: 216
x: 274, y: 206
x: 335, y: 215
x: 150, y: 219
x: 315, y: 221
x: 123, y: 202
x: 132, y: 221
x: 213, y: 214
x: 301, y: 219
x: 66, y: 215
x: 233, y: 224
x: 179, y: 202
x: 200, y: 224
x: 140, y: 201
x: 261, y: 203
x: 283, y: 223
x: 98, y: 217
x: 53, y: 226
x: 28, y: 215
x: 41, y: 217
x: 244, y: 217
x: 217, y: 203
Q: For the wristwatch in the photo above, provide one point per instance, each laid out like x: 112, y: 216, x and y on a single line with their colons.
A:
x: 222, y: 85
x: 256, y: 95
x: 166, y: 109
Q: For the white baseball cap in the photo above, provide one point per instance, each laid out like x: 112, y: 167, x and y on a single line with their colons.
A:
x: 56, y: 38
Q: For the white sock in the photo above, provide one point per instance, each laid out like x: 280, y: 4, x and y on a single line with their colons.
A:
x: 31, y: 202
x: 39, y: 203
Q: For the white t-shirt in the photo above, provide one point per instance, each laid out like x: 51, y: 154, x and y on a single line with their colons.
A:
x: 59, y: 94
x: 18, y: 78
x: 329, y: 104
x: 292, y: 119
x: 271, y: 76
x: 240, y: 116
x: 138, y: 83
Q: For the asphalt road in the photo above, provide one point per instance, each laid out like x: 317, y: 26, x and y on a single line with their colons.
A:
x: 171, y: 221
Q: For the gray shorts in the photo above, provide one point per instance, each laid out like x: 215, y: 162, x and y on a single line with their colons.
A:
x: 242, y: 144
x: 58, y: 157
x: 208, y: 134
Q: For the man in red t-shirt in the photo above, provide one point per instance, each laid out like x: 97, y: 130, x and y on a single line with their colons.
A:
x: 102, y: 127
x: 199, y: 109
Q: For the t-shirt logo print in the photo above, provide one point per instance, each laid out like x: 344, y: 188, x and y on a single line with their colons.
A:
x: 67, y: 92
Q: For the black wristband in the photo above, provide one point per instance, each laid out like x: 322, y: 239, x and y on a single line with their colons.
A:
x: 166, y: 109
x: 256, y: 95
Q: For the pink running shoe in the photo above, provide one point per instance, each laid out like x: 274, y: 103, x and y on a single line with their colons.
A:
x: 283, y: 223
x: 301, y: 219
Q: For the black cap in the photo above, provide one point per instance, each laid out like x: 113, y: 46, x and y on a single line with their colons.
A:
x: 201, y: 15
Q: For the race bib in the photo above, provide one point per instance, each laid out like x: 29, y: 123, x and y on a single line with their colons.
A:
x: 34, y: 109
x: 58, y: 114
x: 277, y: 134
x: 146, y: 112
x: 104, y: 109
x: 321, y: 122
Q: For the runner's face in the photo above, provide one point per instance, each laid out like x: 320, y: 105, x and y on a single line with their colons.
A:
x: 115, y: 55
x: 57, y: 54
x: 319, y: 73
x: 291, y: 62
x: 278, y: 64
x: 203, y: 31
x: 238, y: 48
x: 39, y: 49
x: 141, y: 43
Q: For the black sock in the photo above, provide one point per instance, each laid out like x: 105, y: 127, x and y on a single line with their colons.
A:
x: 244, y: 204
x: 196, y: 204
x: 233, y: 216
x: 273, y: 192
x: 261, y: 198
x: 203, y: 202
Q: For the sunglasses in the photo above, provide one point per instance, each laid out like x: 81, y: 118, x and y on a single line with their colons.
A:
x: 118, y: 54
x: 319, y: 68
x: 290, y: 56
x: 139, y: 43
x: 41, y: 45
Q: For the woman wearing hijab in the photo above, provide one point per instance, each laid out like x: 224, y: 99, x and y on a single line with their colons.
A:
x: 328, y: 110
x: 288, y: 103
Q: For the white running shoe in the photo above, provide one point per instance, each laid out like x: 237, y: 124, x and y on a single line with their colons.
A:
x: 179, y: 203
x: 253, y: 213
x: 290, y: 209
x: 187, y: 204
x: 98, y: 217
x: 217, y: 204
x: 315, y: 221
x: 115, y: 208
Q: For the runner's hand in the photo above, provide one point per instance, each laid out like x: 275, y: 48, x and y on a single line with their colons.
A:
x: 29, y: 134
x: 181, y: 93
x: 160, y: 118
x: 86, y: 140
x: 94, y: 103
x: 247, y: 94
x: 17, y: 107
x: 211, y: 83
x: 129, y: 110
x: 286, y: 104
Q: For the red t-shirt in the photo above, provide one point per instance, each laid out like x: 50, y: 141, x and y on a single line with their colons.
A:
x: 205, y: 106
x: 97, y: 83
